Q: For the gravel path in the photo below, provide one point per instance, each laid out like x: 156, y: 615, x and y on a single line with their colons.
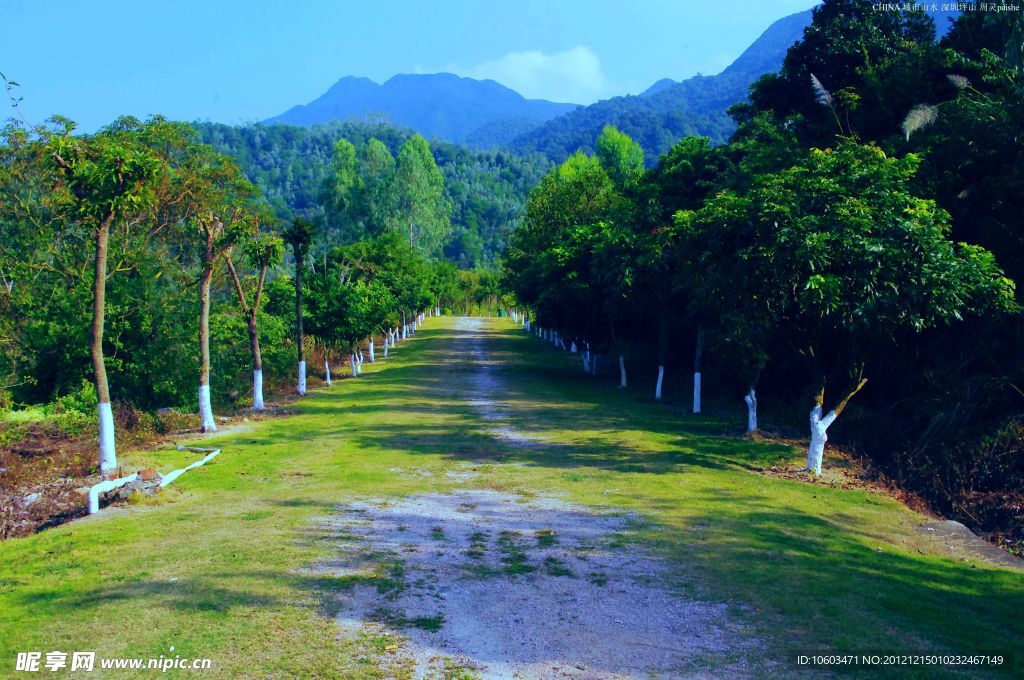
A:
x: 481, y: 583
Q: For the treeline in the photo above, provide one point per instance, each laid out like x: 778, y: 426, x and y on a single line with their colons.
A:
x: 141, y: 269
x: 486, y: 190
x: 851, y: 252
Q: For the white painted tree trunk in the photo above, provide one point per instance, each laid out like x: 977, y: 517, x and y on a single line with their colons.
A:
x: 206, y: 410
x: 819, y: 435
x: 586, y: 362
x: 108, y: 451
x: 572, y: 348
x: 622, y: 371
x: 405, y: 331
x: 327, y: 372
x: 352, y: 360
x: 437, y: 310
x: 302, y: 378
x: 386, y: 337
x: 257, y: 390
x: 660, y: 383
x: 373, y: 359
x: 359, y: 362
x: 751, y: 400
x: 696, y: 392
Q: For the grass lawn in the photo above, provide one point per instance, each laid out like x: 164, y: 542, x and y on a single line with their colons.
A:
x: 220, y: 567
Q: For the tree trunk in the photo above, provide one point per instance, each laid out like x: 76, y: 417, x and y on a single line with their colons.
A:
x: 751, y: 401
x: 108, y: 452
x: 819, y: 435
x: 373, y: 359
x: 662, y: 350
x: 820, y: 423
x: 257, y: 363
x: 254, y: 337
x: 208, y: 424
x: 301, y: 336
x: 327, y: 372
x: 697, y: 359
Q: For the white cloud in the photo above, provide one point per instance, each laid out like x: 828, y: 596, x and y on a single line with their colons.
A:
x: 572, y: 76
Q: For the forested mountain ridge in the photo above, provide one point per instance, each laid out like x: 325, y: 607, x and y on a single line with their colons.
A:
x: 437, y: 105
x: 669, y: 110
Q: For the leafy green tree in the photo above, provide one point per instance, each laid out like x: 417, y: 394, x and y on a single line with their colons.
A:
x: 423, y: 211
x: 687, y: 175
x: 218, y: 207
x: 105, y: 180
x: 263, y: 253
x: 444, y: 285
x: 620, y: 156
x: 852, y: 259
x: 856, y: 71
x: 542, y: 267
x: 342, y: 190
x: 377, y: 201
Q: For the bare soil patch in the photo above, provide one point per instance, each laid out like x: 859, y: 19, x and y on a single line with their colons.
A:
x: 510, y: 587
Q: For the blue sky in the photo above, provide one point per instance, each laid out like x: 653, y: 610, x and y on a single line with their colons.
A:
x: 237, y: 62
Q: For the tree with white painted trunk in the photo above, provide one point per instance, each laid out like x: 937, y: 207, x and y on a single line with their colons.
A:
x: 263, y: 253
x: 850, y: 258
x: 219, y: 207
x: 698, y: 362
x: 109, y: 177
x: 299, y: 235
x: 685, y: 177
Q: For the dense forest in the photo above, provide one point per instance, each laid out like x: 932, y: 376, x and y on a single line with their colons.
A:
x: 846, y: 264
x: 485, y: 189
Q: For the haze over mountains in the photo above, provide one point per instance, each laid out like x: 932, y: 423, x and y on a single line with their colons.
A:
x: 486, y: 114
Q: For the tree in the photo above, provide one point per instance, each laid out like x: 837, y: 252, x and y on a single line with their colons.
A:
x: 620, y: 156
x: 851, y: 260
x: 341, y: 193
x: 423, y: 211
x: 547, y: 266
x: 104, y: 180
x: 688, y: 174
x: 376, y: 203
x: 218, y: 208
x: 856, y: 70
x: 299, y: 235
x: 263, y: 253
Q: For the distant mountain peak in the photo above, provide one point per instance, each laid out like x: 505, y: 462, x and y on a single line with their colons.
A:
x: 443, y: 105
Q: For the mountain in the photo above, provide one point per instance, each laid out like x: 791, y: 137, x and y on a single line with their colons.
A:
x: 437, y: 105
x: 670, y: 110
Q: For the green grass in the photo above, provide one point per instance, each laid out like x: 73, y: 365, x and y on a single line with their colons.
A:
x: 225, y: 569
